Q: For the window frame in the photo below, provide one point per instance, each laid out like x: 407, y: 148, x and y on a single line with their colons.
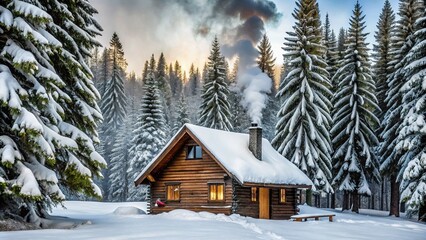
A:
x: 256, y: 195
x: 194, y: 157
x: 280, y: 196
x: 169, y: 184
x: 209, y: 192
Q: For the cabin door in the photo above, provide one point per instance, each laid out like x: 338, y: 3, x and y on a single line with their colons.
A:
x: 264, y: 203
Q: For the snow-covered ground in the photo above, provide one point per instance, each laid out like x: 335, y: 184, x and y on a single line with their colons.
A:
x: 127, y: 221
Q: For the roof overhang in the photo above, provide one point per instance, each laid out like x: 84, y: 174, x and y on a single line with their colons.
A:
x: 274, y: 185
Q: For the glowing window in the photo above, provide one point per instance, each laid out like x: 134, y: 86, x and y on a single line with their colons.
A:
x: 253, y: 194
x: 282, y: 196
x: 216, y: 192
x: 173, y: 192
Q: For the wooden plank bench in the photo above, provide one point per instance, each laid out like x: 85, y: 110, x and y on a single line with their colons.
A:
x: 300, y: 217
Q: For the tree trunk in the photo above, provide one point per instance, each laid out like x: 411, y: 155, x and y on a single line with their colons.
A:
x: 394, y: 204
x: 333, y: 201
x: 328, y: 200
x: 422, y: 210
x: 355, y: 202
x: 345, y: 201
x: 309, y: 197
x: 319, y: 200
x: 382, y: 194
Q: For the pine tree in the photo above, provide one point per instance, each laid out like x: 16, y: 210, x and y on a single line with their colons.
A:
x: 181, y: 114
x: 175, y: 75
x: 302, y: 131
x: 113, y: 104
x: 401, y: 44
x: 240, y: 119
x: 382, y: 57
x: 341, y: 40
x: 266, y: 60
x: 163, y: 82
x: 119, y: 180
x: 48, y: 105
x: 354, y: 118
x: 412, y: 134
x: 104, y: 72
x: 150, y: 135
x: 194, y: 85
x: 114, y: 100
x: 145, y: 70
x: 331, y: 56
x: 215, y: 109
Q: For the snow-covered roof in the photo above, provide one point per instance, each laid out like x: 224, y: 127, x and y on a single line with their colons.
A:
x: 232, y: 152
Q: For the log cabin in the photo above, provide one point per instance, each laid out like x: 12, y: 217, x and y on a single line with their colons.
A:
x: 203, y: 169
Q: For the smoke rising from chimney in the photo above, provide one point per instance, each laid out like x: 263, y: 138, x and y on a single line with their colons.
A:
x: 240, y: 25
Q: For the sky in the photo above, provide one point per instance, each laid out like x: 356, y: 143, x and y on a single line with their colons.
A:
x: 184, y: 29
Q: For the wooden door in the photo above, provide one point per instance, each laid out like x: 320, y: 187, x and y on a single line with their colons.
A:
x: 264, y: 203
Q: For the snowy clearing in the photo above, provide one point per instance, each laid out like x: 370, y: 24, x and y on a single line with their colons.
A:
x: 127, y: 221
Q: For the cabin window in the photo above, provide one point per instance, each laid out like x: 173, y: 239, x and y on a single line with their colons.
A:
x: 173, y: 191
x: 283, y: 198
x: 216, y: 191
x: 253, y: 194
x: 194, y: 152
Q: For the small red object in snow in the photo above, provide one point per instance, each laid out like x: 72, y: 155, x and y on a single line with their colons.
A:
x: 159, y: 203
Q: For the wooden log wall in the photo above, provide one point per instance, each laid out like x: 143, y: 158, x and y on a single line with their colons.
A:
x: 283, y: 210
x: 193, y: 176
x: 245, y: 206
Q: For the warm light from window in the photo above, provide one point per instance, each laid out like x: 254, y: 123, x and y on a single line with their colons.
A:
x: 216, y: 192
x: 173, y: 192
x: 253, y: 194
x: 282, y: 196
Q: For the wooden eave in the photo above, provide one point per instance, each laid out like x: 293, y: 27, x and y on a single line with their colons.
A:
x: 167, y: 154
x: 274, y: 185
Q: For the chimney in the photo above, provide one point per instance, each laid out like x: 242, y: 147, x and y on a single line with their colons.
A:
x: 255, y: 140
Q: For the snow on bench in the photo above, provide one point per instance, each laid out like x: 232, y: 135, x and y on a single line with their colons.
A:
x: 298, y: 218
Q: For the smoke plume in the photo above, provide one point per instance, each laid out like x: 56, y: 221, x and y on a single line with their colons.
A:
x: 240, y: 25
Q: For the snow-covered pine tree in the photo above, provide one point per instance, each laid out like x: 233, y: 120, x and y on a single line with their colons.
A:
x: 113, y: 104
x: 150, y: 135
x: 354, y: 118
x: 181, y: 114
x: 194, y: 83
x: 95, y: 65
x: 163, y: 81
x: 412, y: 134
x: 103, y: 72
x: 331, y: 56
x: 302, y: 131
x: 175, y: 78
x: 145, y: 70
x: 266, y: 60
x: 266, y: 63
x: 382, y: 57
x: 382, y: 54
x: 239, y: 118
x: 341, y: 44
x: 48, y: 109
x: 401, y: 43
x: 119, y: 164
x: 215, y: 110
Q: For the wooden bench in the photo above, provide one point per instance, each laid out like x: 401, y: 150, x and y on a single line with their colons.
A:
x: 298, y: 218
